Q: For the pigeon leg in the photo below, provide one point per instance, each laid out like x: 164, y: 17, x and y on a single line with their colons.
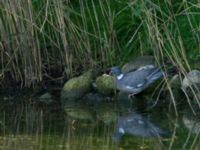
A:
x: 130, y: 96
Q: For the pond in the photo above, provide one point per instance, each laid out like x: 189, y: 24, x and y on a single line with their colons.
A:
x: 26, y: 123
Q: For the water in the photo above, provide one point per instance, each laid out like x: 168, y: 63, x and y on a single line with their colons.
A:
x: 26, y: 124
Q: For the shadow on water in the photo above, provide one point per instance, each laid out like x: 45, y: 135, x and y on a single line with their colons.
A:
x: 105, y: 125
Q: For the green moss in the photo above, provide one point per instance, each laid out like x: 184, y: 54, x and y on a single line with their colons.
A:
x: 106, y: 84
x: 78, y: 86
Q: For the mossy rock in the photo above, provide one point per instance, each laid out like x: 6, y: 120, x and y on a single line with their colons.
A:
x: 78, y: 86
x: 137, y: 63
x: 106, y: 84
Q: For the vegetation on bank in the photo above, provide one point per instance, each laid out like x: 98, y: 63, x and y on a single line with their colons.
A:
x: 51, y: 39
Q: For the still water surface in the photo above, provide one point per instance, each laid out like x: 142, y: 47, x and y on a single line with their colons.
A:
x: 26, y: 124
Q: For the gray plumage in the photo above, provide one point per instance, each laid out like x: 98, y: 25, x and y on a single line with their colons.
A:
x: 137, y: 125
x: 136, y: 81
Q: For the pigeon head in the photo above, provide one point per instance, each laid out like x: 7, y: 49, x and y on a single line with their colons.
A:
x: 116, y: 71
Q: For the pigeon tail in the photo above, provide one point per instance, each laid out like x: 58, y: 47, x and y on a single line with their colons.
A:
x: 156, y: 74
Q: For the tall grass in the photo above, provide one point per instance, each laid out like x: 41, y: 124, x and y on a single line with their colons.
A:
x: 39, y: 36
x: 32, y: 39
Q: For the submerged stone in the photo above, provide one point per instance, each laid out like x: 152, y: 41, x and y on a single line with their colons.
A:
x: 78, y: 86
x: 106, y: 84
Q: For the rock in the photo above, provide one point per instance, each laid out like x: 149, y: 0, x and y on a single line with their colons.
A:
x: 191, y: 83
x: 138, y: 62
x: 191, y: 78
x: 106, y: 84
x: 78, y: 86
x: 46, y: 98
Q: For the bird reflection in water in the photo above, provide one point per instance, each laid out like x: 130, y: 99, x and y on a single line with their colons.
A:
x: 136, y: 125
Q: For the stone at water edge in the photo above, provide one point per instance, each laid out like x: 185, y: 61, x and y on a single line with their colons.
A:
x: 191, y: 80
x: 78, y: 86
x: 105, y: 84
x: 137, y: 63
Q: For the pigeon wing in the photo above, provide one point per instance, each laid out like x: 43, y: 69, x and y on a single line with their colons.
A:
x: 135, y: 79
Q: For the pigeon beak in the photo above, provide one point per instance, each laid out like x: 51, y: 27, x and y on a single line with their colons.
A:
x: 110, y: 72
